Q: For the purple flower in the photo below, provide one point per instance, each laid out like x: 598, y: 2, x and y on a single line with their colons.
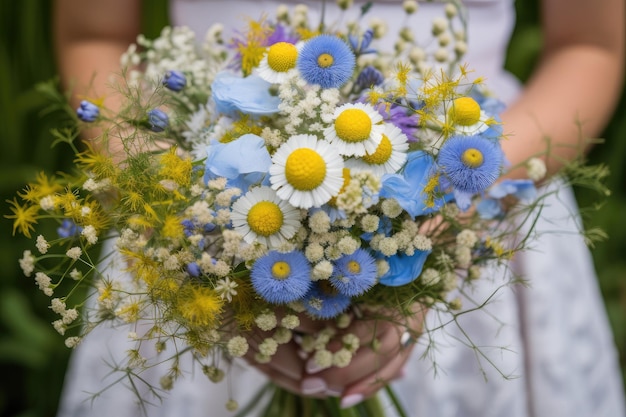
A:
x: 158, y: 120
x: 369, y: 77
x: 174, y: 80
x: 87, y: 111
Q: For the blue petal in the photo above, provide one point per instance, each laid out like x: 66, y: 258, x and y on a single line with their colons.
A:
x: 245, y: 159
x: 522, y: 189
x: 408, y: 188
x: 489, y: 209
x: 250, y: 95
x: 404, y: 269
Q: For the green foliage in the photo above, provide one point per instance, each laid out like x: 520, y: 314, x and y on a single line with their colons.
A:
x: 31, y: 353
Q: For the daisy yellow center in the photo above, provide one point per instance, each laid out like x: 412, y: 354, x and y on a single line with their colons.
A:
x: 305, y: 169
x: 281, y: 270
x: 353, y: 125
x: 465, y: 111
x: 472, y: 157
x: 354, y: 267
x: 282, y: 56
x: 382, y: 153
x: 265, y: 218
x: 325, y: 60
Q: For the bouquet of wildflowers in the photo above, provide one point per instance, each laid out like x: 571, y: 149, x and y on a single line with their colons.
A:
x: 289, y: 171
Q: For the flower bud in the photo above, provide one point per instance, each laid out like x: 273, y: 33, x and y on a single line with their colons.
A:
x: 174, y: 80
x: 158, y: 120
x: 87, y: 112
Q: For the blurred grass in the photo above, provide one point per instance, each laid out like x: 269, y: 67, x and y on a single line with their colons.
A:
x: 32, y: 356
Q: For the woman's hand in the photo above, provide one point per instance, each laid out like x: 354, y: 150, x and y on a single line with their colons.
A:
x: 382, y: 353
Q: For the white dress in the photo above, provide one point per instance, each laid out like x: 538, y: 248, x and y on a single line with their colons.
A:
x: 551, y: 338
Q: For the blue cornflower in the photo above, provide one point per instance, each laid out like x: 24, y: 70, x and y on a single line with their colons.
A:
x: 158, y: 120
x: 404, y: 269
x: 281, y: 278
x: 324, y: 302
x: 354, y: 274
x: 326, y: 60
x: 174, y: 80
x: 68, y: 229
x: 471, y: 163
x: 87, y: 111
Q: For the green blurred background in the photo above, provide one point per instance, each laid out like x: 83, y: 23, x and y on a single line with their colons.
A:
x: 33, y: 356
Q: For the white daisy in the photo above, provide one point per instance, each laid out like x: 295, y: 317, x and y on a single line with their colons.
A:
x: 356, y: 129
x: 466, y: 117
x: 261, y: 216
x: 277, y: 61
x: 389, y: 156
x: 306, y: 171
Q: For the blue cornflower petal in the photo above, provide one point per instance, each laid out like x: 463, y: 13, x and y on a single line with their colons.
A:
x: 471, y: 163
x: 404, y: 269
x: 325, y: 302
x: 281, y: 278
x: 326, y: 60
x: 354, y: 274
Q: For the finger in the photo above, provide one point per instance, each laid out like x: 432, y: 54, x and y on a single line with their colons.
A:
x: 369, y: 385
x: 285, y: 361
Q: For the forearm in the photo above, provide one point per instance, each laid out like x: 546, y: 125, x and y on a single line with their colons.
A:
x: 90, y: 40
x: 573, y: 91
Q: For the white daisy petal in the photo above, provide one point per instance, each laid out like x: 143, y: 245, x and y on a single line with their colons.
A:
x: 356, y: 129
x: 306, y: 171
x: 262, y: 216
x: 388, y: 158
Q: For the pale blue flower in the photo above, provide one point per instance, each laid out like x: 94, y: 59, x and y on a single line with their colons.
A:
x: 404, y: 269
x: 326, y: 60
x: 250, y: 95
x: 244, y: 161
x: 281, y: 278
x: 407, y: 187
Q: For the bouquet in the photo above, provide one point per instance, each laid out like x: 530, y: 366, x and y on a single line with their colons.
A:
x: 289, y: 172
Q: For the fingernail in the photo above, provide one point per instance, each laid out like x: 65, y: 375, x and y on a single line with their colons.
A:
x: 350, y: 400
x: 333, y: 392
x: 313, y: 386
x: 302, y: 354
x: 312, y: 366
